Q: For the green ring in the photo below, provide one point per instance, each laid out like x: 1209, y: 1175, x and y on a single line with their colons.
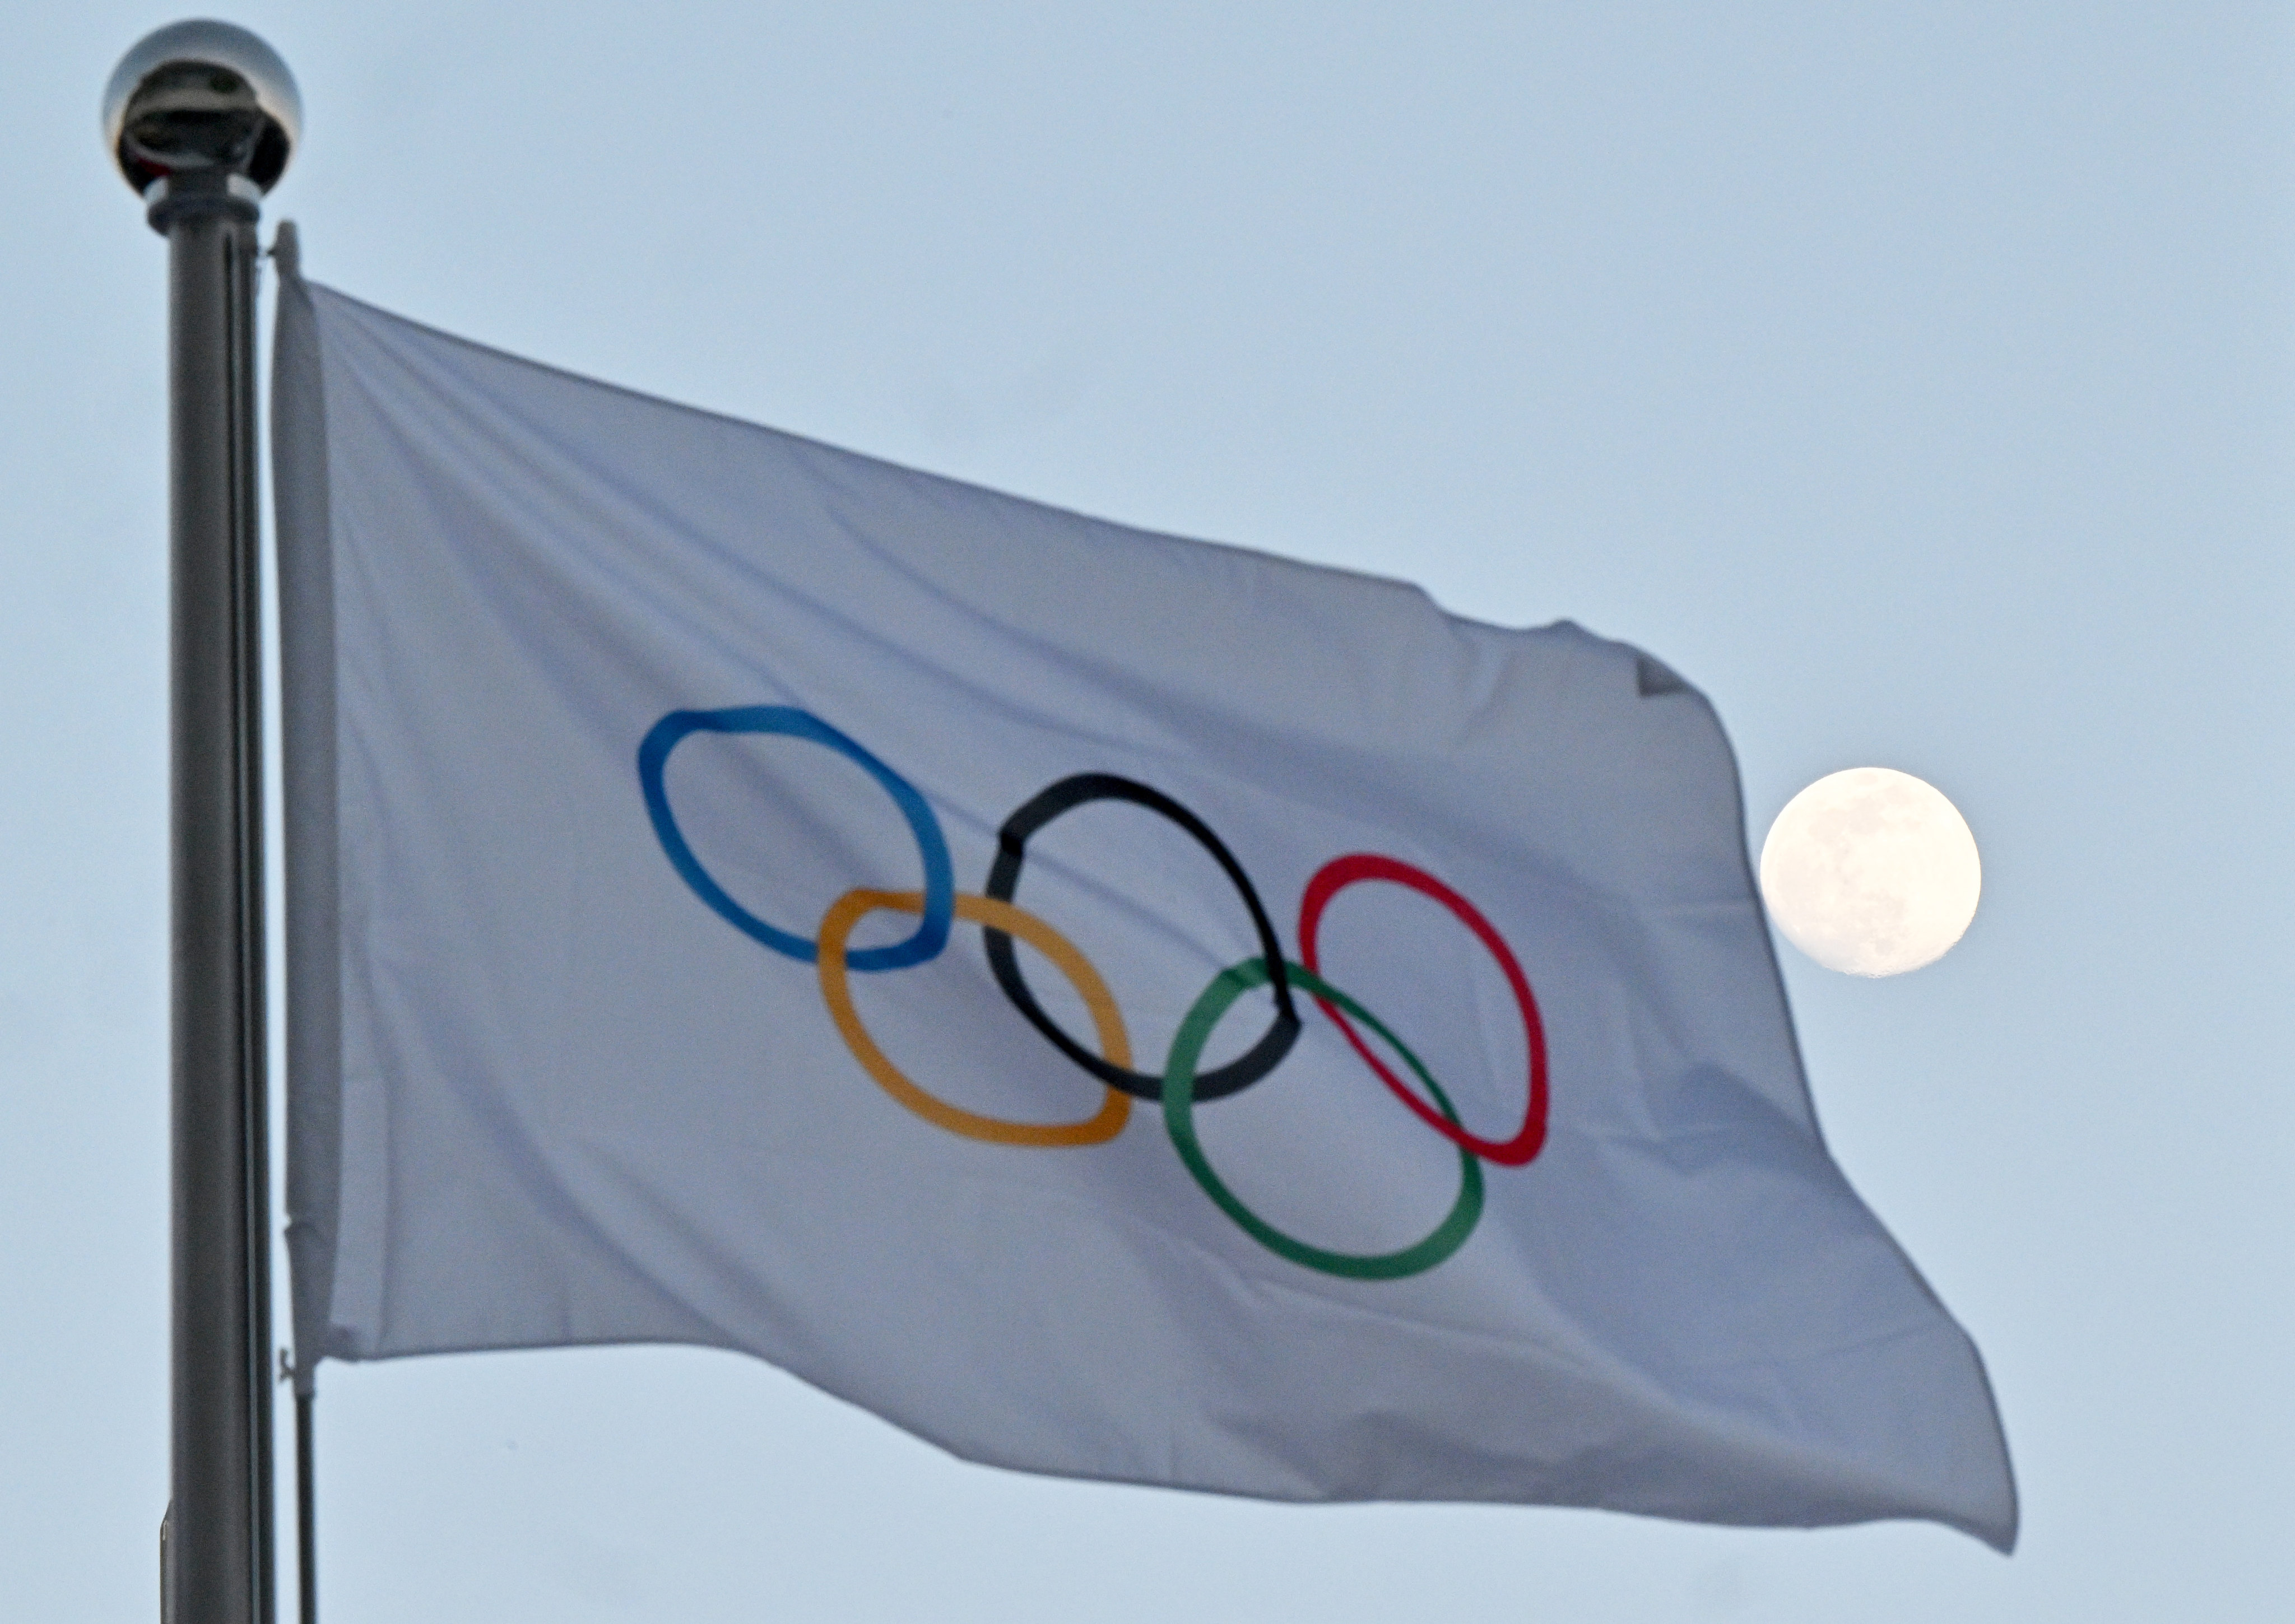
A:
x: 1179, y: 1119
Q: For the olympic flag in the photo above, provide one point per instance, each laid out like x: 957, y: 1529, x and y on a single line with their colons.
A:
x: 1111, y: 1005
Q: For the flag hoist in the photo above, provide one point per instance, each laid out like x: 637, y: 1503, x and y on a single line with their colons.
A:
x: 203, y: 117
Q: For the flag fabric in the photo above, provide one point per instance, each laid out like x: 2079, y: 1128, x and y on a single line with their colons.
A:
x: 1112, y: 1005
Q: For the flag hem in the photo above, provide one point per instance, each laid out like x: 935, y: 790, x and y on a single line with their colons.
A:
x: 301, y: 502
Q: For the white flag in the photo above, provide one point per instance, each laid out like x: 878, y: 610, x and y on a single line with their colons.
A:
x: 1111, y: 1005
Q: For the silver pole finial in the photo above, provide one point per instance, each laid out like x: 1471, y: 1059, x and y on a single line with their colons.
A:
x: 201, y: 109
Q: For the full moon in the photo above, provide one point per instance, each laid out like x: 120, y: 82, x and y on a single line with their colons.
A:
x: 1871, y: 872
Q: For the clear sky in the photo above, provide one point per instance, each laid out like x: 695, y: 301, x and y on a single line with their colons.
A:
x: 1915, y: 379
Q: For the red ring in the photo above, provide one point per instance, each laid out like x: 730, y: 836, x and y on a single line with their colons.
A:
x: 1341, y: 872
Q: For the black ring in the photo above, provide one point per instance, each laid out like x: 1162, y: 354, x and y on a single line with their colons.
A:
x: 1004, y: 879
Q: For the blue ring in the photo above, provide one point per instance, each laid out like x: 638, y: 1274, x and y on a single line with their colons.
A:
x: 931, y: 934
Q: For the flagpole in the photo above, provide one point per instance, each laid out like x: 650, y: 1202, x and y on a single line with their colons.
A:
x: 201, y: 118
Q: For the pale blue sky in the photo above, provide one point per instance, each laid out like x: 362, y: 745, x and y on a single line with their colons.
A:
x: 1915, y: 379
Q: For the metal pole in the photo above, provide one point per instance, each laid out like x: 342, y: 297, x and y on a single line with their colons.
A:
x: 222, y: 1340
x: 193, y: 115
x: 306, y: 1511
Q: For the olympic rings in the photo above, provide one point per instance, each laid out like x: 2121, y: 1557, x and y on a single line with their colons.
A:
x: 1179, y: 1120
x: 940, y: 880
x: 1341, y: 872
x: 1179, y: 1089
x: 838, y: 924
x: 1004, y: 880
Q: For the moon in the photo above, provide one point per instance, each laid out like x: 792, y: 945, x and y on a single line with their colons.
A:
x: 1871, y: 872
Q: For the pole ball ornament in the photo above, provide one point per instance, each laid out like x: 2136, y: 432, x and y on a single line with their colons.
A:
x: 205, y: 100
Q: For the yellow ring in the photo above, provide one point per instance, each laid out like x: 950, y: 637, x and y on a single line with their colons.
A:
x: 836, y: 992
